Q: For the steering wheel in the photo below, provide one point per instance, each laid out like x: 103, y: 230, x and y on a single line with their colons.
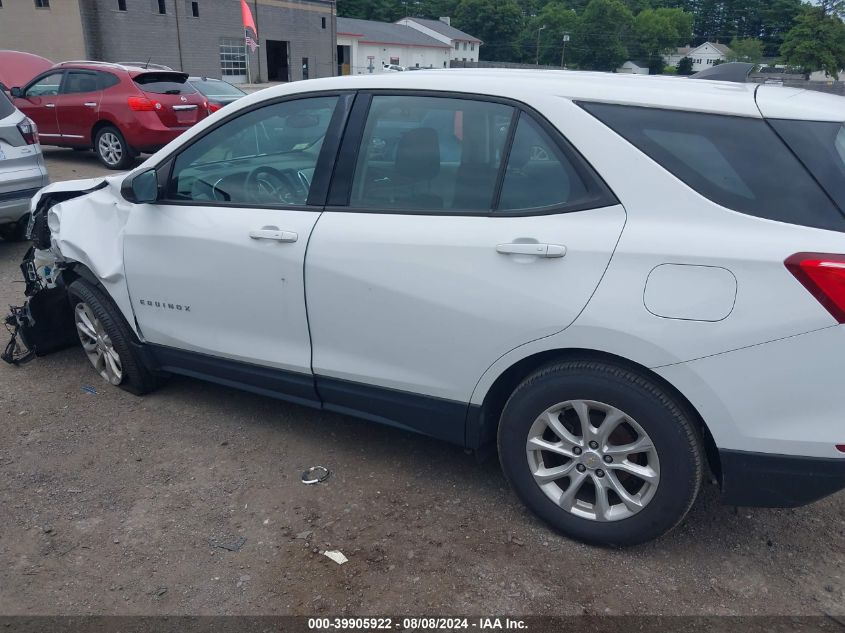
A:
x: 266, y: 185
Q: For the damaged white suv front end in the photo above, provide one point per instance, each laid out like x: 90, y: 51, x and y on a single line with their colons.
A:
x: 76, y: 228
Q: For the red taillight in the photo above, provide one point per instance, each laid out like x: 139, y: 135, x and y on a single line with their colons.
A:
x: 840, y: 448
x: 29, y: 131
x: 213, y: 107
x: 824, y: 276
x: 142, y: 104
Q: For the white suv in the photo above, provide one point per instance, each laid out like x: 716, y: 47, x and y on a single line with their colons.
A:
x: 621, y: 281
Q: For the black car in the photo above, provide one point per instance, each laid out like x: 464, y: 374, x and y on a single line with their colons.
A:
x: 219, y: 92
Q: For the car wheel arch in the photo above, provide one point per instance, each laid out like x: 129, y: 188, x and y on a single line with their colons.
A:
x: 482, y: 428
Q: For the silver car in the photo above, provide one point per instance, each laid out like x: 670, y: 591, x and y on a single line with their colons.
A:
x: 22, y: 170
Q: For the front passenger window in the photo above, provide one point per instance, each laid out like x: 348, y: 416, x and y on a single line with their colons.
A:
x: 264, y: 157
x: 46, y: 86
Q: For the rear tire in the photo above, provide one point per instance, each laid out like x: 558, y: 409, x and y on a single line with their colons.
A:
x: 112, y: 149
x: 108, y: 341
x: 600, y: 481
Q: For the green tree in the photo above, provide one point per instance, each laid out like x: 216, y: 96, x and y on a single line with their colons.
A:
x: 685, y: 66
x: 558, y: 20
x: 746, y: 49
x: 495, y: 22
x: 777, y: 18
x: 816, y: 42
x: 603, y: 29
x: 656, y: 31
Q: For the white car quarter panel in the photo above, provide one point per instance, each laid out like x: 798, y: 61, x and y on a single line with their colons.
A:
x: 425, y: 303
x: 693, y: 293
x: 245, y: 295
x: 781, y: 397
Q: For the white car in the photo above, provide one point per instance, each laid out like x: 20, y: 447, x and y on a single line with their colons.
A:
x: 623, y: 282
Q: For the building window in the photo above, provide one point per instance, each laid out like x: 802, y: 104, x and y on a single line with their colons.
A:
x: 305, y: 68
x: 472, y: 46
x: 162, y: 7
x: 465, y: 45
x: 233, y: 57
x: 394, y: 61
x: 323, y: 22
x: 457, y: 46
x: 195, y: 9
x: 42, y: 4
x: 121, y: 5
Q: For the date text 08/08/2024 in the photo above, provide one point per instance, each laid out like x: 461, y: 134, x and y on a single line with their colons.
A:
x: 410, y: 623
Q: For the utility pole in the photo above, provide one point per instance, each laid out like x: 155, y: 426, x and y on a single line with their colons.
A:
x: 537, y: 60
x: 178, y: 36
x: 563, y: 52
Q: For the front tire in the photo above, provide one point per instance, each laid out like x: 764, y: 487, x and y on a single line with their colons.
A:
x: 112, y: 149
x: 107, y: 339
x: 603, y: 454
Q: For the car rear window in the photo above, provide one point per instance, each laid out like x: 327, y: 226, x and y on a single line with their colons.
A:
x: 211, y: 88
x: 6, y: 107
x: 164, y: 83
x: 737, y: 162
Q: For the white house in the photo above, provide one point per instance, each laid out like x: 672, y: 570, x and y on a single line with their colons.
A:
x: 703, y: 56
x: 365, y: 46
x: 463, y: 45
x: 632, y: 67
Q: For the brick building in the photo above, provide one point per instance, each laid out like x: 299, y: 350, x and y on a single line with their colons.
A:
x: 203, y: 37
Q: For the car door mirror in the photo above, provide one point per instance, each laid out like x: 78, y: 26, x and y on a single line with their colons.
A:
x: 16, y: 92
x: 141, y: 188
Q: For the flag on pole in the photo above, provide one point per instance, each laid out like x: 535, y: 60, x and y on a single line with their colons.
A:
x: 249, y: 41
x: 249, y: 25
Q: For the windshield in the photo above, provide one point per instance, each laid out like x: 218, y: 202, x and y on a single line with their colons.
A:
x: 821, y: 147
x: 164, y: 83
x: 215, y: 88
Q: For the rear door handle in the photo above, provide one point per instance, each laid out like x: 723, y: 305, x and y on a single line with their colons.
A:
x: 49, y: 105
x: 274, y: 234
x: 91, y: 104
x: 531, y: 248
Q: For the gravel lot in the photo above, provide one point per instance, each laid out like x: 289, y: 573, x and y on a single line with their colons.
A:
x: 113, y: 504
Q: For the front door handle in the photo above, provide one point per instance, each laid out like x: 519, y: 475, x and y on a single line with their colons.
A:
x: 49, y: 105
x: 268, y: 233
x: 90, y: 104
x: 531, y: 248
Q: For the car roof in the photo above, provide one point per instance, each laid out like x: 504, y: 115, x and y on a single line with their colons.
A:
x: 680, y: 93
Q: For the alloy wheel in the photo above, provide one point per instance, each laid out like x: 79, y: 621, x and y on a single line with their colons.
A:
x: 110, y: 148
x: 593, y: 460
x: 97, y: 344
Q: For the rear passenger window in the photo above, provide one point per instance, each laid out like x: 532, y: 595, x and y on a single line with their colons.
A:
x: 430, y: 154
x: 538, y: 175
x: 80, y: 82
x: 737, y: 162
